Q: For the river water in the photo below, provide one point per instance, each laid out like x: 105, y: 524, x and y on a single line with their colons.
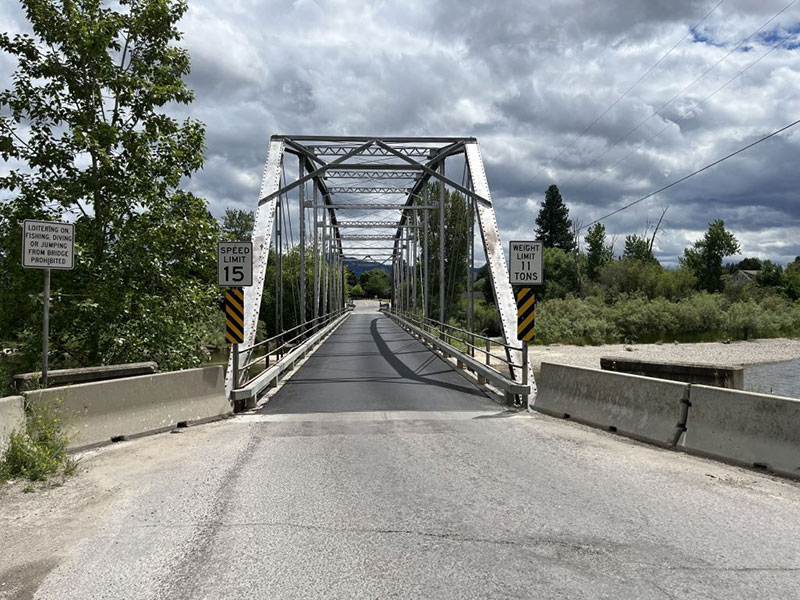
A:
x: 779, y: 378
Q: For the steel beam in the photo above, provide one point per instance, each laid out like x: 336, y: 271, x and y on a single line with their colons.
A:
x: 262, y: 234
x: 316, y: 173
x: 302, y: 226
x: 421, y: 151
x: 357, y: 138
x: 367, y: 190
x: 442, y: 208
x: 374, y: 207
x: 372, y: 225
x: 369, y: 175
x: 316, y: 252
x: 495, y: 256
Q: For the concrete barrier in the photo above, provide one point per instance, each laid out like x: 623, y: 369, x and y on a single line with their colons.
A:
x: 755, y: 430
x: 59, y: 377
x: 101, y: 412
x: 649, y: 409
x: 716, y: 375
x: 12, y: 418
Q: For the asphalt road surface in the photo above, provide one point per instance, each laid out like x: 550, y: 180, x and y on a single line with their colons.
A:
x: 378, y: 471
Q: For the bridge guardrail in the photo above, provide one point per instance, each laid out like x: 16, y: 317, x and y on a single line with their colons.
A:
x: 101, y: 412
x: 484, y: 371
x: 248, y: 392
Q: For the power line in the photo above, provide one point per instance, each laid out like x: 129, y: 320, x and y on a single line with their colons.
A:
x: 626, y: 92
x: 671, y: 100
x: 690, y: 175
x: 688, y: 112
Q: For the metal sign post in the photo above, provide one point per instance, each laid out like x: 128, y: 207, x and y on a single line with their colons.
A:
x: 525, y: 270
x: 234, y: 271
x: 47, y: 245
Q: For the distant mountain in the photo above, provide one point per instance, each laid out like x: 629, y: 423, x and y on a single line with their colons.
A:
x: 360, y: 266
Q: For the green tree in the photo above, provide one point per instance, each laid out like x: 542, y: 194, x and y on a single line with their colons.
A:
x: 456, y: 248
x: 82, y: 119
x: 560, y: 273
x: 553, y: 225
x: 770, y: 275
x: 237, y: 224
x: 747, y: 264
x: 792, y: 277
x: 597, y: 252
x: 483, y: 283
x: 705, y: 258
x: 375, y: 282
x: 637, y: 248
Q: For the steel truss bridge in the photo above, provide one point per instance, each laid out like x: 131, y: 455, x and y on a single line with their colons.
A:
x: 381, y: 183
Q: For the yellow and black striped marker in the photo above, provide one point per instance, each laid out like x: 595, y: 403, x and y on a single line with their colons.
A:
x: 526, y: 314
x: 234, y: 315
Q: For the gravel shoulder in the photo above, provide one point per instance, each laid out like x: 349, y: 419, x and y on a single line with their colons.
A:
x: 711, y: 353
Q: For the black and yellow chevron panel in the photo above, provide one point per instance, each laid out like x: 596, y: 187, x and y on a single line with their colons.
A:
x: 526, y: 314
x: 234, y: 315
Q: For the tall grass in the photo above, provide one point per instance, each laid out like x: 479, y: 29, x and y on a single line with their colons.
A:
x: 41, y: 450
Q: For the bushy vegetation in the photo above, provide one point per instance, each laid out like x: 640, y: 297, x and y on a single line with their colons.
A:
x: 40, y: 451
x: 593, y: 297
x: 637, y: 319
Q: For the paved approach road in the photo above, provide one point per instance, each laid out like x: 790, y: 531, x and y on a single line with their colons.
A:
x: 380, y: 472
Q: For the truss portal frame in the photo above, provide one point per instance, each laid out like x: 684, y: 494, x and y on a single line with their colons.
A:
x: 368, y: 164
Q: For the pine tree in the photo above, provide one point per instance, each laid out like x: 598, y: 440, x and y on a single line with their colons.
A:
x: 637, y: 248
x: 598, y: 253
x: 553, y: 225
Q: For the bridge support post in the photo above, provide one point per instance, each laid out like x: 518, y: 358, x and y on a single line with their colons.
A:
x: 442, y: 207
x: 525, y: 372
x: 471, y: 276
x: 302, y: 226
x: 316, y: 252
x: 425, y: 283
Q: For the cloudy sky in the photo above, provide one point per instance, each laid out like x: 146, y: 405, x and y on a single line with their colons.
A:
x: 527, y: 78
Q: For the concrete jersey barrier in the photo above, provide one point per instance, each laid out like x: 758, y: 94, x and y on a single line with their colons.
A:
x: 12, y: 418
x: 746, y: 428
x: 716, y: 375
x: 60, y: 377
x: 97, y: 412
x: 641, y: 407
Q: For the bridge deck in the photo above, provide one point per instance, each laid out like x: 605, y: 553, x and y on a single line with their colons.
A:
x: 370, y: 364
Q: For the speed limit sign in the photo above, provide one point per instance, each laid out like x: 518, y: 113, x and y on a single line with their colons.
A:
x: 235, y: 264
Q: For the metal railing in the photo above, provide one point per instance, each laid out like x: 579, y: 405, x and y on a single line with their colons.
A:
x: 442, y: 336
x: 278, y: 346
x: 450, y: 333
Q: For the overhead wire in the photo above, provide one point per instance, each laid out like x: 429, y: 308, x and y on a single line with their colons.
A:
x: 673, y: 98
x: 690, y: 175
x: 691, y: 30
x: 688, y: 112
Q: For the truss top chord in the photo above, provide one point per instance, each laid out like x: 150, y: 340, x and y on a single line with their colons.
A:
x: 361, y: 139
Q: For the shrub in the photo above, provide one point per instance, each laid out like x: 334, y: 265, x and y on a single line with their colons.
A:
x: 41, y: 450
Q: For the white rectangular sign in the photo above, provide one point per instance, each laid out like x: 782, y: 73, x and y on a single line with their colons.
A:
x: 235, y: 264
x: 525, y: 263
x: 48, y: 245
